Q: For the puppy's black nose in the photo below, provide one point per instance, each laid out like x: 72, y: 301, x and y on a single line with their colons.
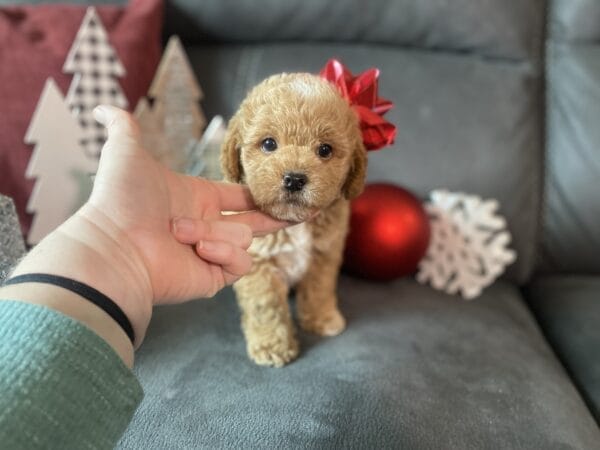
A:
x: 294, y: 181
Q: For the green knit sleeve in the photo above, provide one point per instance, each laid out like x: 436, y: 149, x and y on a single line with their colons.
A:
x: 61, y: 385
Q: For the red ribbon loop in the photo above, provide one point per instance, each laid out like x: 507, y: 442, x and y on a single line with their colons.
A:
x: 361, y: 93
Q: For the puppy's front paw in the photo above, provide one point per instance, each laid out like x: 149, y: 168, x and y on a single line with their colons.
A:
x: 330, y: 323
x: 272, y: 350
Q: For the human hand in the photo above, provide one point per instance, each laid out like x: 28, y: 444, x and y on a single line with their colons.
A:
x: 150, y: 236
x: 151, y: 204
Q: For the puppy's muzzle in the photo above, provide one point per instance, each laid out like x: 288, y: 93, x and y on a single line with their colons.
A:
x: 294, y: 182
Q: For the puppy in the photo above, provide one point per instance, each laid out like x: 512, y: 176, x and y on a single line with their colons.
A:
x: 297, y: 144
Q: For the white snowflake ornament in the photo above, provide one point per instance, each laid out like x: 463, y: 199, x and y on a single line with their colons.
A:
x: 468, y: 247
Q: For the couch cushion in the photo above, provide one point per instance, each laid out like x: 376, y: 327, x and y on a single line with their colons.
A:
x: 568, y: 309
x: 575, y: 20
x: 415, y: 369
x: 464, y: 123
x: 508, y: 29
x: 571, y: 241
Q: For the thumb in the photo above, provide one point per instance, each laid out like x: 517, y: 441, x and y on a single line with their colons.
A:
x: 123, y: 130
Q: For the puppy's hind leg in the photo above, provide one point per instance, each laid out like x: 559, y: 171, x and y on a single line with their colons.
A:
x: 266, y: 319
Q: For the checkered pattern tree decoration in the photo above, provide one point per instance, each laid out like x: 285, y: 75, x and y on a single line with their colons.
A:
x: 172, y: 120
x: 96, y: 67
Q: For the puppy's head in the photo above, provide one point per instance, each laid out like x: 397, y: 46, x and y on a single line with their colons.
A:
x: 297, y: 144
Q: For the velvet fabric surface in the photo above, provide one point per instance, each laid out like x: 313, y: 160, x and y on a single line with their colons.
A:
x: 568, y: 309
x: 509, y: 29
x: 415, y: 369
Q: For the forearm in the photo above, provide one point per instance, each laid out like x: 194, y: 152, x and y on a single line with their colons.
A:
x: 92, y: 253
x: 65, y: 375
x: 62, y: 386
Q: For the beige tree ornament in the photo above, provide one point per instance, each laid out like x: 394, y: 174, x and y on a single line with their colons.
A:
x: 152, y: 132
x: 172, y: 118
x: 468, y: 249
x: 58, y: 164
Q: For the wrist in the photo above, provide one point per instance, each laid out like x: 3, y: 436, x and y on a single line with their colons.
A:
x: 71, y: 304
x: 90, y: 249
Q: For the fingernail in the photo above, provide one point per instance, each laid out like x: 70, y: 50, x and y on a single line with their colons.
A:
x: 100, y: 114
x: 183, y: 226
x: 206, y: 245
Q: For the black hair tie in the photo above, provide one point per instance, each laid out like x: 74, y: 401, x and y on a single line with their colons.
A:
x: 85, y: 291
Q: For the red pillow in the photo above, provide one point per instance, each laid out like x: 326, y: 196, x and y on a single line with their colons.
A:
x: 34, y: 42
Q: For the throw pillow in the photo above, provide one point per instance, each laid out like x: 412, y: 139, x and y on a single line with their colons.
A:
x: 34, y: 42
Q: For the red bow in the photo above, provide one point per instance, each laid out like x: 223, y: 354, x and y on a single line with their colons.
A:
x: 361, y: 93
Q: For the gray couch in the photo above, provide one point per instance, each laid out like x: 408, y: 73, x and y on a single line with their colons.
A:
x: 495, y: 97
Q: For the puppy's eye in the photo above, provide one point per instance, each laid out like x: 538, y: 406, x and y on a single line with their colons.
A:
x: 269, y: 145
x: 325, y: 151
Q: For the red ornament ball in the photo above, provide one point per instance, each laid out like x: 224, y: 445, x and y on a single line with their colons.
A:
x: 389, y: 233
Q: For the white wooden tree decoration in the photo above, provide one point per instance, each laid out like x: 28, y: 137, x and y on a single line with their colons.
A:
x: 468, y: 247
x: 204, y: 159
x: 96, y: 67
x: 175, y: 95
x: 61, y: 169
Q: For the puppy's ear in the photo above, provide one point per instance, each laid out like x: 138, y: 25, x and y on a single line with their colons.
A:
x: 355, y: 182
x: 230, y: 152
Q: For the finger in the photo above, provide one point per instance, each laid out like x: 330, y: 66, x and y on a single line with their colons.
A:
x: 233, y: 197
x: 230, y: 278
x: 221, y: 278
x: 260, y: 223
x: 232, y: 259
x: 190, y: 231
x: 121, y: 127
x: 208, y: 195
